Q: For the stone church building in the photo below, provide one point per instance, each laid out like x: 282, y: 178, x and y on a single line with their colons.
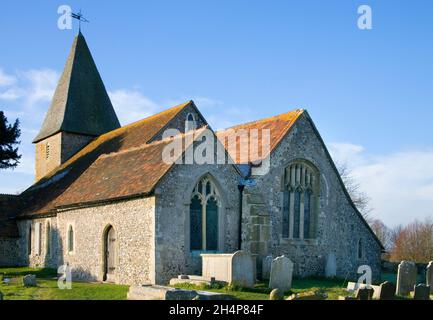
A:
x: 107, y: 204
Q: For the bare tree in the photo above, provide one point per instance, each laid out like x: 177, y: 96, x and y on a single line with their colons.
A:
x: 413, y: 242
x: 383, y: 233
x: 359, y: 198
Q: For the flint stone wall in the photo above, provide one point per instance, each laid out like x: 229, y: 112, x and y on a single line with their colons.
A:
x: 338, y: 228
x: 173, y: 255
x: 133, y: 222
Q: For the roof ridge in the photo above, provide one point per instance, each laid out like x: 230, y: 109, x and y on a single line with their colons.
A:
x: 299, y: 111
x: 180, y: 106
x: 152, y: 144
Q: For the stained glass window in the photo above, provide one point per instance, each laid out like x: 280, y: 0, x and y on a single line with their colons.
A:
x: 204, y: 208
x: 211, y: 225
x: 196, y: 223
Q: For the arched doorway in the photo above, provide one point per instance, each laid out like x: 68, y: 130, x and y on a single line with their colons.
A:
x: 109, y: 254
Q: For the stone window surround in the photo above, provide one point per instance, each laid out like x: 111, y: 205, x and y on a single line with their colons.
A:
x: 190, y: 125
x: 74, y: 243
x: 29, y: 238
x: 48, y: 238
x: 360, y: 250
x: 314, y: 213
x: 221, y: 216
x: 37, y: 240
x: 47, y: 150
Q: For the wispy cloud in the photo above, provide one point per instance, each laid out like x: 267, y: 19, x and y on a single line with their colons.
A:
x: 132, y: 105
x: 6, y: 79
x: 25, y: 94
x: 400, y: 184
x: 41, y: 85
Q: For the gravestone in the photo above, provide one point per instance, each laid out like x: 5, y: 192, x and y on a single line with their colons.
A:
x: 406, y: 277
x: 233, y: 268
x: 276, y: 294
x: 331, y: 266
x: 243, y: 269
x: 429, y: 276
x: 281, y: 273
x: 386, y: 291
x: 364, y: 293
x: 266, y: 267
x: 421, y: 292
x: 29, y: 280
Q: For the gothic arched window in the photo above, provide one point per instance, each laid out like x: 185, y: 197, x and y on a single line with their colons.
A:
x: 70, y: 239
x: 360, y: 250
x: 301, y: 188
x: 190, y: 123
x: 204, y: 216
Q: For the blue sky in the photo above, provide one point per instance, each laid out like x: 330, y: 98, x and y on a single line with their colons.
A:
x: 370, y: 92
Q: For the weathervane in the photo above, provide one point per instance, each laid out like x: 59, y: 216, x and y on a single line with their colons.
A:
x: 80, y: 18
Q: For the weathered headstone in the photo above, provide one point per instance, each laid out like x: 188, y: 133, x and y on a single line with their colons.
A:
x: 281, y: 273
x: 29, y: 280
x: 266, y: 267
x: 243, y: 269
x: 364, y: 293
x: 421, y: 292
x: 276, y: 294
x: 331, y: 266
x: 386, y: 291
x: 406, y: 277
x: 429, y: 276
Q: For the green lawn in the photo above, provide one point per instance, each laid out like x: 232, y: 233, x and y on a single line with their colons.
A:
x: 47, y: 288
x: 334, y: 289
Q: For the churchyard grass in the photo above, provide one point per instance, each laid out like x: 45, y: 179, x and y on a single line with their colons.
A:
x: 333, y: 287
x: 47, y: 288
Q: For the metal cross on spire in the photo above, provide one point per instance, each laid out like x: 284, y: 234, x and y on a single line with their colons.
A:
x: 80, y: 18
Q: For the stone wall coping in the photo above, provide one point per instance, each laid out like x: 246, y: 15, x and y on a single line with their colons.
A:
x: 217, y: 255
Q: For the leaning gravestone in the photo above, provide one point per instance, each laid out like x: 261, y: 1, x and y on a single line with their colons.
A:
x: 281, y: 273
x: 331, y: 266
x: 429, y: 276
x: 386, y: 291
x: 266, y: 267
x: 421, y: 292
x: 29, y: 280
x: 406, y: 277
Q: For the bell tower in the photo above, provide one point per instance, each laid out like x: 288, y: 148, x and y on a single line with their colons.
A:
x: 80, y: 111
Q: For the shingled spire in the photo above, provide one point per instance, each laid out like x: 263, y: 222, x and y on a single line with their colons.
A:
x: 80, y: 104
x: 80, y: 111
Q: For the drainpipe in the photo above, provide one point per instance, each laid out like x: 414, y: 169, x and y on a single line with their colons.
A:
x: 241, y: 190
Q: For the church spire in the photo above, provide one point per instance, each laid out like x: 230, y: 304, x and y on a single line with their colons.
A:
x: 80, y: 104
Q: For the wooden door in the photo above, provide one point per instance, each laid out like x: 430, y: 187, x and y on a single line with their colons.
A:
x: 110, y: 254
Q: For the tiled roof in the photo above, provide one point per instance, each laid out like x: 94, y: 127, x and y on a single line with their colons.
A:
x: 60, y: 186
x: 80, y: 103
x: 277, y: 125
